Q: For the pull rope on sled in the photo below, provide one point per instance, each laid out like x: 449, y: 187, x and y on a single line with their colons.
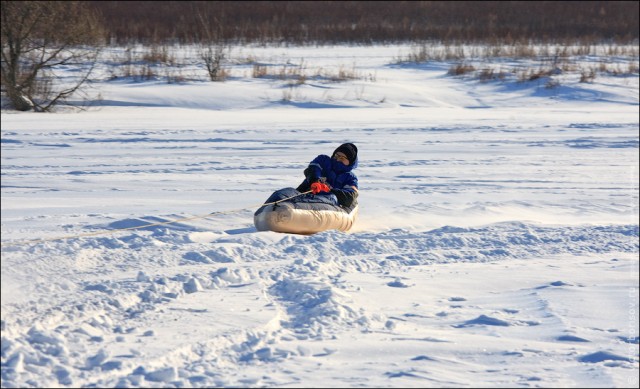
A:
x: 102, y: 232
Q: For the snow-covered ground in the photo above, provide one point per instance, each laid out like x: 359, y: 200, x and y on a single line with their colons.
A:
x: 496, y: 246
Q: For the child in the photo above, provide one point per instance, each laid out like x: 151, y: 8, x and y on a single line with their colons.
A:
x: 333, y: 175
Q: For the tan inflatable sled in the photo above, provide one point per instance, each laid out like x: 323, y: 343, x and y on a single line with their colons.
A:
x: 304, y: 214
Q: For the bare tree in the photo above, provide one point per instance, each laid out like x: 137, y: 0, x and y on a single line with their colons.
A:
x: 212, y: 58
x: 212, y: 50
x: 38, y: 38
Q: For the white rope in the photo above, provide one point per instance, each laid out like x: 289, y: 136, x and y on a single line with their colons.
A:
x: 102, y: 232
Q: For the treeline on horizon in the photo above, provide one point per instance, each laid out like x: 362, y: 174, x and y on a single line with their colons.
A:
x: 367, y: 22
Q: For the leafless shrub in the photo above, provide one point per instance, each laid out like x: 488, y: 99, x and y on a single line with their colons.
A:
x: 528, y: 74
x: 291, y: 93
x: 145, y: 73
x: 587, y: 75
x: 461, y: 69
x: 159, y: 54
x: 295, y: 73
x: 418, y: 54
x: 259, y: 71
x: 534, y: 75
x: 300, y: 74
x: 213, y: 57
x: 524, y: 51
x: 490, y: 74
x: 174, y: 77
x: 344, y: 74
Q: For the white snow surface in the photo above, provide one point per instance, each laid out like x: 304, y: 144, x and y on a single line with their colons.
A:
x: 496, y: 245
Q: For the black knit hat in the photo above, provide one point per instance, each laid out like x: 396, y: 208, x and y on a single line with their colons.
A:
x: 349, y: 150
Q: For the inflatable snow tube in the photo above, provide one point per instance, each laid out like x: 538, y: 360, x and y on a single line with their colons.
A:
x: 303, y: 214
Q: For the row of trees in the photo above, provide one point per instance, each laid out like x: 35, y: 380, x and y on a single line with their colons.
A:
x: 366, y: 22
x: 38, y: 36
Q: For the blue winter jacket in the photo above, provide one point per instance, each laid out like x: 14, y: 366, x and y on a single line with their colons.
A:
x: 340, y: 177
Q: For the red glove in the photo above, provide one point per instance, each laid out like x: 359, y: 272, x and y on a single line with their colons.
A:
x: 318, y: 187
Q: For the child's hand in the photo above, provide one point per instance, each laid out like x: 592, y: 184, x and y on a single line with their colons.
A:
x: 318, y: 187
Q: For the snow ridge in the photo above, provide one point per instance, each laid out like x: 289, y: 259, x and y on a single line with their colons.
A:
x: 303, y: 290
